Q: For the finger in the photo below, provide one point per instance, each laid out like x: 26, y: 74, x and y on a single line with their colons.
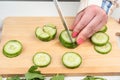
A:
x: 77, y: 18
x: 90, y: 28
x: 99, y: 26
x: 85, y: 19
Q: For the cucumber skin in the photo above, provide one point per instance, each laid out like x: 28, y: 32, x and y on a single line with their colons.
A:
x: 103, y: 52
x: 97, y: 44
x: 65, y: 44
x: 39, y: 65
x: 12, y: 55
x: 71, y: 46
x: 69, y: 66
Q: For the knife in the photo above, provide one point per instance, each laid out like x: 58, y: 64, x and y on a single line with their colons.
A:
x: 62, y: 19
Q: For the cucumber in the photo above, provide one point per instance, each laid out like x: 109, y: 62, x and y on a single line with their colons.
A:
x: 51, y: 31
x: 100, y: 38
x: 40, y: 34
x: 12, y: 48
x: 71, y: 60
x: 47, y: 33
x: 65, y: 41
x: 103, y: 49
x: 50, y: 25
x: 103, y: 29
x: 41, y: 59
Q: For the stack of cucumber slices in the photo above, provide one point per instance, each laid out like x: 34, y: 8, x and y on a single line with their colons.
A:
x: 46, y: 33
x: 101, y: 41
x: 65, y: 41
x: 12, y: 48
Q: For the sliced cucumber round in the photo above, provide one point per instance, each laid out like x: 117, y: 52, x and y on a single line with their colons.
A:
x: 103, y: 29
x: 50, y: 25
x: 51, y: 31
x: 40, y: 34
x: 103, y: 49
x: 42, y: 59
x: 47, y: 33
x: 100, y: 38
x: 12, y: 48
x: 71, y: 60
x: 65, y: 41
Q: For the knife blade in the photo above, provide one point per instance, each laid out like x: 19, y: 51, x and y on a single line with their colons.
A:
x: 62, y: 19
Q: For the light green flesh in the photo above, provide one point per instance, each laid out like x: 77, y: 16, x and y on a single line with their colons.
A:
x: 50, y: 31
x: 100, y: 38
x: 47, y: 33
x: 40, y: 33
x: 71, y: 59
x: 42, y: 59
x: 12, y: 47
x: 103, y: 49
x: 44, y: 36
x: 50, y: 25
x: 65, y: 36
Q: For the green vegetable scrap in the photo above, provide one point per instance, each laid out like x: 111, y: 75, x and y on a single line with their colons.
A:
x: 57, y: 77
x: 93, y: 78
x: 33, y: 74
x: 14, y: 78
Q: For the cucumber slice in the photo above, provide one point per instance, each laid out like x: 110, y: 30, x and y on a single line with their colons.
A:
x: 51, y: 31
x: 65, y: 41
x: 100, y: 38
x: 103, y: 49
x: 40, y: 34
x: 42, y: 59
x: 12, y: 48
x: 50, y: 25
x: 47, y: 33
x: 71, y: 60
x: 103, y: 29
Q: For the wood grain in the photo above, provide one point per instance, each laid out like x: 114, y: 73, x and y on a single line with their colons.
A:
x: 23, y: 29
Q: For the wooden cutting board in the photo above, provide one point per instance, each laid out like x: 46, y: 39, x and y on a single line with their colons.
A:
x: 23, y: 29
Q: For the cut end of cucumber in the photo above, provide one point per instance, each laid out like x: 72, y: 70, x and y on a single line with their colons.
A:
x: 71, y: 60
x: 103, y: 49
x: 12, y: 48
x: 100, y: 38
x: 65, y: 41
x: 42, y: 59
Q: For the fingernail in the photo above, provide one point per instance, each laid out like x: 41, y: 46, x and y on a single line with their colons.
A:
x: 80, y: 41
x: 74, y: 34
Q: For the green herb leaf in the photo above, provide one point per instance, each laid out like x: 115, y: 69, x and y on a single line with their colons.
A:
x: 93, y: 78
x: 57, y: 77
x: 33, y: 76
x: 14, y: 78
x: 33, y: 69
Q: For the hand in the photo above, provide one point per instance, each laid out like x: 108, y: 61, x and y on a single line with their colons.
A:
x: 87, y: 22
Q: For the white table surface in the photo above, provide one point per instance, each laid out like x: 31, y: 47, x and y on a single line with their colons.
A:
x: 35, y: 8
